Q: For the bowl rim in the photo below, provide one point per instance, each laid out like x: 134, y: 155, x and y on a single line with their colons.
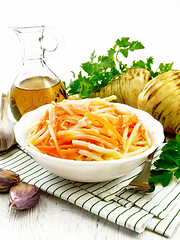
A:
x: 154, y: 146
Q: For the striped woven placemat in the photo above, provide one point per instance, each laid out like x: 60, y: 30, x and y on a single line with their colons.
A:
x: 158, y: 211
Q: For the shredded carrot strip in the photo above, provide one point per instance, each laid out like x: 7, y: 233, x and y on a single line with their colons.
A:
x: 120, y: 125
x: 106, y: 124
x: 49, y: 150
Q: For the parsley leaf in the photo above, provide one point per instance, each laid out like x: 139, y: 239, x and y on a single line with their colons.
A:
x: 162, y: 68
x: 177, y: 173
x: 100, y: 70
x: 135, y: 45
x: 161, y: 176
x: 167, y: 166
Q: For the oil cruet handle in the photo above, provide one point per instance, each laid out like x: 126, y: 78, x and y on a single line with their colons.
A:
x: 52, y: 41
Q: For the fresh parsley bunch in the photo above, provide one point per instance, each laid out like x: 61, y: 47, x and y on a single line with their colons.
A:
x: 168, y: 165
x: 100, y: 70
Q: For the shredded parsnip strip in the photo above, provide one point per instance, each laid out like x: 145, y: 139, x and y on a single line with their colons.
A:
x: 140, y: 150
x: 103, y: 150
x: 132, y: 137
x: 98, y: 149
x: 100, y: 140
x: 32, y: 139
x: 90, y: 155
x: 67, y: 109
x: 42, y: 137
x: 35, y: 124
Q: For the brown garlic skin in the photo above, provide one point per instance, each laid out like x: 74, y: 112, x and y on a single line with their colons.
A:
x: 23, y: 196
x: 8, y: 179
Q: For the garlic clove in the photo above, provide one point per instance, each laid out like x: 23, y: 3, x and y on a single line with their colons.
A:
x: 7, y: 137
x: 23, y: 196
x: 8, y: 178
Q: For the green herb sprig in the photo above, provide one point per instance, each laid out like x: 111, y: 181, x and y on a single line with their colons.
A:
x: 167, y: 166
x: 100, y: 70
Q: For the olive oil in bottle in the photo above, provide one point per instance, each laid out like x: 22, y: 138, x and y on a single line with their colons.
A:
x: 33, y: 93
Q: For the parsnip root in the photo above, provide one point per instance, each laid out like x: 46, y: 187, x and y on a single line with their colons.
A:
x: 127, y: 87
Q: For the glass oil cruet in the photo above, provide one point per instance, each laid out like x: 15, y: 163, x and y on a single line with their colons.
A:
x: 35, y: 84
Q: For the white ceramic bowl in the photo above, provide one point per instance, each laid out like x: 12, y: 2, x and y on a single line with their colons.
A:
x: 89, y: 171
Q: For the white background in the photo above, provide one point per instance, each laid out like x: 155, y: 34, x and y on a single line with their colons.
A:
x: 87, y: 26
x: 91, y: 25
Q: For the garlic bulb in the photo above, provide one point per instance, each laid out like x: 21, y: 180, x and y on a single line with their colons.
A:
x: 7, y: 137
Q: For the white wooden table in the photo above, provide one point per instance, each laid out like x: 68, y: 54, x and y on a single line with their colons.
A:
x: 54, y: 219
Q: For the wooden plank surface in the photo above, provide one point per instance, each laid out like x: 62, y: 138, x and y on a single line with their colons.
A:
x: 54, y: 219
